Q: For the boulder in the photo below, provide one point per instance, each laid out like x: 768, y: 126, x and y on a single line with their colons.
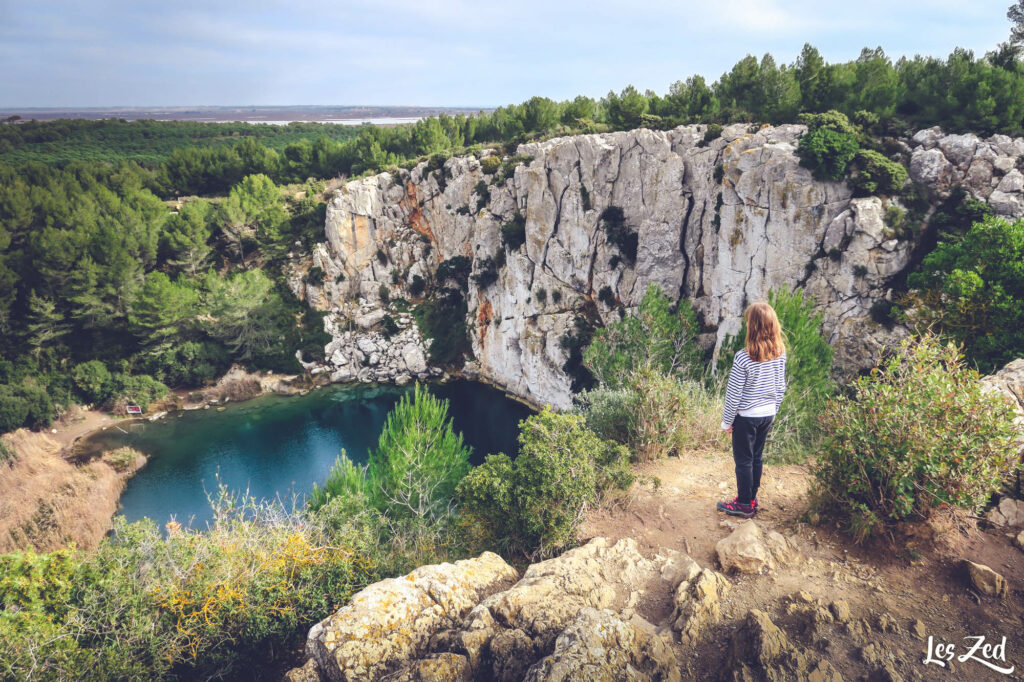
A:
x: 748, y: 549
x: 391, y: 623
x: 599, y: 645
x: 414, y: 359
x: 1009, y: 512
x: 985, y: 580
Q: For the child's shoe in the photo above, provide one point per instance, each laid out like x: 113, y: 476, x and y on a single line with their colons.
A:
x: 734, y: 508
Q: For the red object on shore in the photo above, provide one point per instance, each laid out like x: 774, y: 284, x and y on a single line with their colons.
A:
x: 133, y: 409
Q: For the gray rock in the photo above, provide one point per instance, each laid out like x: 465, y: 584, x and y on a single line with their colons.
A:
x: 985, y: 580
x: 414, y: 359
x: 748, y: 549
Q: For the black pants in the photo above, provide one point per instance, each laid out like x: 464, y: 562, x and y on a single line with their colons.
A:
x: 748, y: 437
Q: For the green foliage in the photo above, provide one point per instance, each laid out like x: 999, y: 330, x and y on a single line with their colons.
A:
x: 712, y: 132
x: 610, y: 412
x: 875, y: 174
x: 456, y: 269
x: 443, y: 320
x: 917, y: 435
x: 486, y: 273
x: 93, y: 380
x: 513, y: 233
x: 7, y: 453
x: 659, y: 336
x: 188, y: 364
x: 829, y: 145
x: 490, y: 165
x: 417, y: 286
x: 13, y: 410
x: 122, y: 458
x: 535, y: 503
x: 138, y: 390
x: 221, y: 603
x: 808, y: 373
x: 972, y: 289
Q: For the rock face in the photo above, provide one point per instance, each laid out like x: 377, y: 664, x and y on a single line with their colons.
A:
x: 761, y: 651
x: 717, y: 223
x: 578, y: 616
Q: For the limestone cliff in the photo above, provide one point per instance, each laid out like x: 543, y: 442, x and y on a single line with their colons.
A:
x: 718, y: 223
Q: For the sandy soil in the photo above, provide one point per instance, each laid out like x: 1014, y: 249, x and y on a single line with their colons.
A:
x: 910, y: 579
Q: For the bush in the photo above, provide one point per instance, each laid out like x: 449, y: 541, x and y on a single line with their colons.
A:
x: 384, y: 293
x: 486, y: 274
x: 918, y: 434
x: 190, y: 363
x: 674, y: 415
x: 388, y: 326
x: 456, y: 269
x: 93, y: 381
x: 972, y: 289
x: 444, y: 321
x: 610, y: 412
x: 659, y: 336
x: 490, y: 165
x: 536, y: 503
x: 413, y: 473
x: 315, y: 276
x: 513, y: 233
x: 139, y: 390
x: 7, y: 453
x: 13, y: 411
x: 191, y: 605
x: 712, y: 132
x: 875, y: 174
x: 830, y: 144
x: 613, y: 220
x: 808, y: 373
x: 122, y: 458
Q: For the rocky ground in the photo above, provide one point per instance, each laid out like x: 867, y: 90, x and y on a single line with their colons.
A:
x: 665, y: 588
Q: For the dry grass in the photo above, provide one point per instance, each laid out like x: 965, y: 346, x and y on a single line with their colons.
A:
x: 47, y: 502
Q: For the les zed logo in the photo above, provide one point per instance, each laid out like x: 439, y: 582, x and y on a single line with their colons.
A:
x: 981, y: 652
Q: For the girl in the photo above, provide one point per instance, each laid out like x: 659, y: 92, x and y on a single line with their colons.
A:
x: 756, y: 384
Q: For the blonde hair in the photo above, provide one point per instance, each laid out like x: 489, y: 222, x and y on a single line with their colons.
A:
x: 764, y: 333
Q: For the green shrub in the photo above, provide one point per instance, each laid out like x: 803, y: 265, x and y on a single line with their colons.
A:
x: 711, y: 133
x: 190, y: 363
x: 972, y: 290
x: 122, y: 458
x: 444, y: 321
x: 7, y: 453
x: 918, y: 434
x: 384, y: 293
x: 513, y: 233
x: 536, y: 503
x: 490, y: 165
x: 388, y: 326
x: 610, y: 412
x: 659, y: 336
x: 875, y: 174
x: 140, y: 390
x: 808, y: 373
x: 93, y: 380
x: 486, y: 274
x: 456, y: 269
x: 830, y: 144
x: 13, y: 411
x: 541, y: 295
x: 315, y: 276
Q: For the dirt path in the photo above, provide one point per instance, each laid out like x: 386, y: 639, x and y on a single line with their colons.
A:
x: 911, y: 580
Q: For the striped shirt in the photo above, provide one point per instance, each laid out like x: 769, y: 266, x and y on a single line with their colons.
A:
x: 755, y: 388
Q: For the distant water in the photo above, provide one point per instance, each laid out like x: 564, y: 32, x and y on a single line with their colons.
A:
x: 383, y: 121
x: 279, y: 446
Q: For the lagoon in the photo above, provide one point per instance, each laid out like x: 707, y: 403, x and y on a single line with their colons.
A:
x: 277, y: 447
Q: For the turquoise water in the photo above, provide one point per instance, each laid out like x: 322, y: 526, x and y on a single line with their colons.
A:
x: 279, y: 446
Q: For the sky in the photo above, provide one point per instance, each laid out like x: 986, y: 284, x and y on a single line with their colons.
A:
x: 70, y: 53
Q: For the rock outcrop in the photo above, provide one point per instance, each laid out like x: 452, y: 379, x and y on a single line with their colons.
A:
x: 719, y: 223
x: 748, y: 549
x: 761, y: 651
x: 578, y: 616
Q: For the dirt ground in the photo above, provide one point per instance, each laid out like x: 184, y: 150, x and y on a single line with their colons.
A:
x: 908, y: 578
